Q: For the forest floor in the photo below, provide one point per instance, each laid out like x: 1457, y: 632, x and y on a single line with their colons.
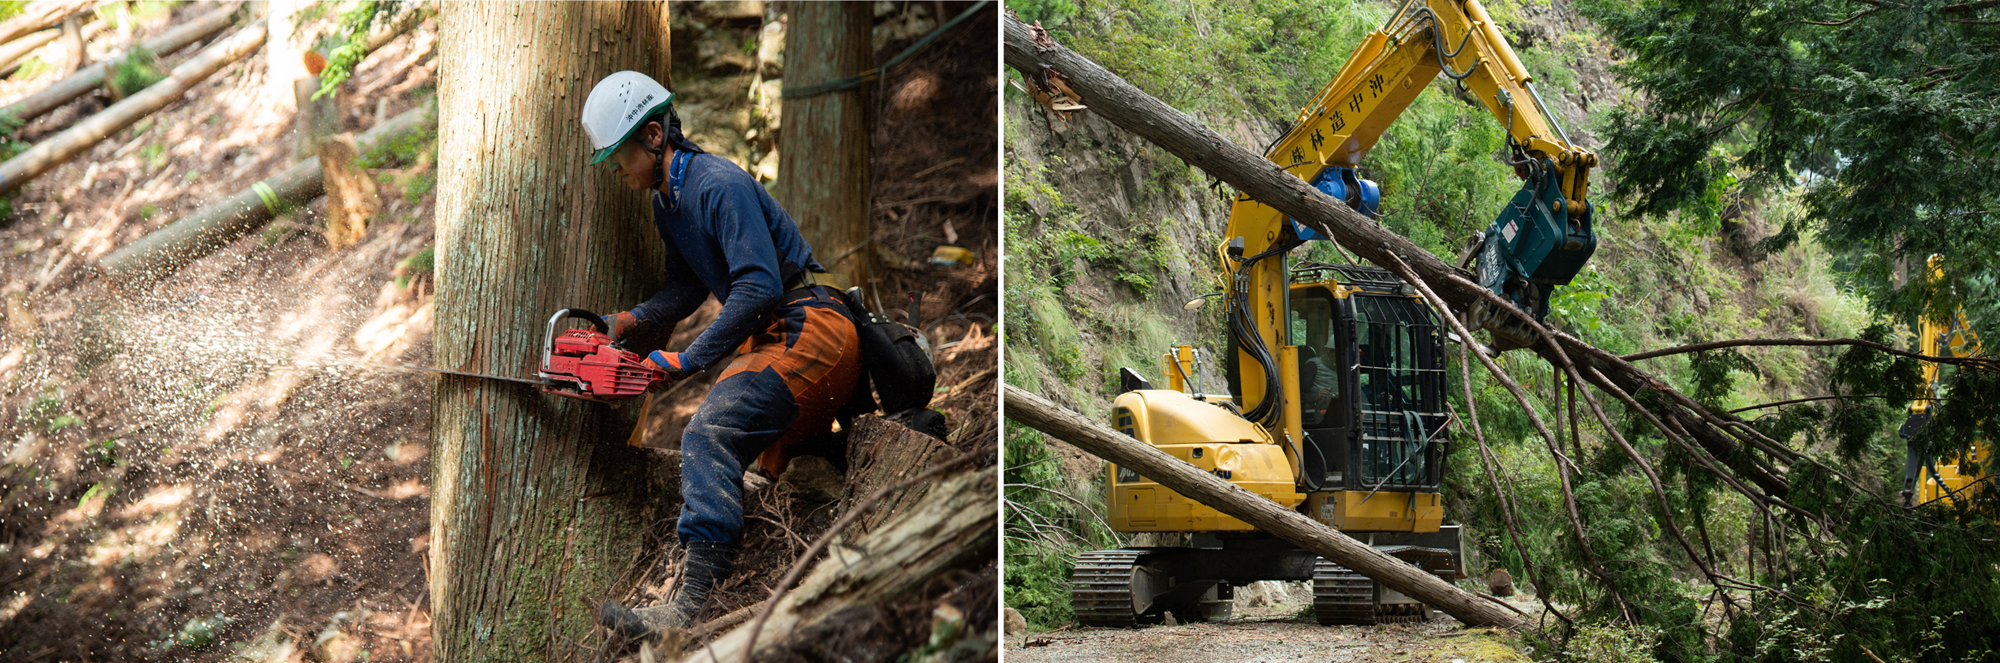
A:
x: 226, y: 464
x: 1275, y: 632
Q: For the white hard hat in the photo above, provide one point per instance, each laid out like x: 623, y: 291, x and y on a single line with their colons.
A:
x: 617, y: 107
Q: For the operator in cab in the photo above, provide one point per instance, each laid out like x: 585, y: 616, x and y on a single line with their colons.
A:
x: 796, y: 354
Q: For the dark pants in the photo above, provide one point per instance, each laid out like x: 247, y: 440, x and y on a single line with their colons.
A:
x: 783, y: 387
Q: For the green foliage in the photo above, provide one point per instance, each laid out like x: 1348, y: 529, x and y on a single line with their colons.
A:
x: 1713, y: 375
x: 1439, y: 180
x: 104, y: 453
x: 1612, y: 644
x: 138, y: 70
x: 1224, y: 55
x: 404, y: 149
x: 64, y: 421
x: 1049, y: 519
x: 155, y: 156
x: 349, y: 41
x: 31, y: 69
x: 197, y: 633
x: 418, y: 264
x: 1884, y: 112
x: 1050, y: 13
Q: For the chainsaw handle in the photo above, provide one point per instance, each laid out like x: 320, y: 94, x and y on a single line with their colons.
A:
x: 549, y: 338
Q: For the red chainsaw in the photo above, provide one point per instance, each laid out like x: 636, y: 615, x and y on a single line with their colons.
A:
x: 589, y: 364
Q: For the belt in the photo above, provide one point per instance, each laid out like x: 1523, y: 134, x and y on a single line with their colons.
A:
x: 798, y: 286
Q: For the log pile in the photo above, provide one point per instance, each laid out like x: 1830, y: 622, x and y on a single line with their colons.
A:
x: 168, y: 249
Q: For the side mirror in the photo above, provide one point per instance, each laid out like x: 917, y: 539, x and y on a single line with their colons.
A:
x: 1196, y: 303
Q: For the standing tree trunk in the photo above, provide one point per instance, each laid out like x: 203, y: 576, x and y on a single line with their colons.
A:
x: 823, y: 169
x: 538, y: 507
x: 283, y: 63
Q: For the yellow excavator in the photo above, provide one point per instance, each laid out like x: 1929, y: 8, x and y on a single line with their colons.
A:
x: 1950, y: 478
x: 1335, y: 402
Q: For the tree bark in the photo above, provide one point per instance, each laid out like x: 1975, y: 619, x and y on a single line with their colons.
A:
x: 956, y: 528
x: 1207, y: 489
x: 882, y: 453
x: 1259, y: 179
x: 66, y: 145
x: 823, y: 170
x: 164, y: 251
x: 91, y: 77
x: 538, y: 507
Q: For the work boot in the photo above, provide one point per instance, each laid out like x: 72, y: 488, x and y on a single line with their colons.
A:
x: 707, y: 562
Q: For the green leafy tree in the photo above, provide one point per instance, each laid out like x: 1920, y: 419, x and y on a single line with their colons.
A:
x: 1887, y: 113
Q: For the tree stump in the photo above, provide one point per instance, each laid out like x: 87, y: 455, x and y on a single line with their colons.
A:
x: 882, y: 453
x: 350, y: 192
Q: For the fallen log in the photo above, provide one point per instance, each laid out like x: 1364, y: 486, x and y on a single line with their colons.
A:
x: 53, y: 152
x: 92, y: 77
x: 39, y: 15
x: 1133, y: 110
x: 956, y: 528
x: 159, y: 254
x: 1207, y: 489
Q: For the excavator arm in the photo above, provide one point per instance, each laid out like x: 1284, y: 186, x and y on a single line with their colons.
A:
x: 1394, y: 64
x: 1539, y: 240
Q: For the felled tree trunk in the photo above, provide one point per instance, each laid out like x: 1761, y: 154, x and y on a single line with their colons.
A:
x: 955, y: 528
x: 166, y: 250
x: 62, y: 147
x: 538, y: 507
x: 823, y: 169
x: 1207, y: 489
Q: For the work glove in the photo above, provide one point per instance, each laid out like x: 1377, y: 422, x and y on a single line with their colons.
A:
x: 637, y: 335
x: 623, y: 324
x: 669, y: 363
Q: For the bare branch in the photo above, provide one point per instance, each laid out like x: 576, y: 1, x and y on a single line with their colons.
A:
x: 1972, y: 362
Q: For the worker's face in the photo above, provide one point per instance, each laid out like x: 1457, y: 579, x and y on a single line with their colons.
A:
x: 633, y: 164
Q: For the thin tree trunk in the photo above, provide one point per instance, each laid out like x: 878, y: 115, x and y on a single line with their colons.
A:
x: 538, y: 507
x: 823, y: 169
x: 1204, y: 488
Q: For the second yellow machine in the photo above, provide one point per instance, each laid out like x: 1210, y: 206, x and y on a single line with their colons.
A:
x: 1335, y: 396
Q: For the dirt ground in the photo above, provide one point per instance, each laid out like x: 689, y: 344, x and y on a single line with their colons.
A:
x: 1275, y: 633
x: 225, y: 464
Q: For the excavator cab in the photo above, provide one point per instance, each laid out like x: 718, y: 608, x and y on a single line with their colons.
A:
x: 1371, y: 382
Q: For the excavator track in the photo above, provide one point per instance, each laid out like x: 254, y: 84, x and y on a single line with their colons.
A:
x: 1341, y: 596
x: 1101, y: 588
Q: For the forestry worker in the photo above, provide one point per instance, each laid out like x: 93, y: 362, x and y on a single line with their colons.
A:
x: 796, y: 354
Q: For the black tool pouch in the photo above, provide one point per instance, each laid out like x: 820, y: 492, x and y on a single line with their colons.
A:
x: 893, y: 359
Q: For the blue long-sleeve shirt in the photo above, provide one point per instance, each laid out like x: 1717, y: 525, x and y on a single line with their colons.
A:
x: 725, y: 237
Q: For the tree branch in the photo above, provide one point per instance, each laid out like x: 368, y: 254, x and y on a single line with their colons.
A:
x: 1974, y: 362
